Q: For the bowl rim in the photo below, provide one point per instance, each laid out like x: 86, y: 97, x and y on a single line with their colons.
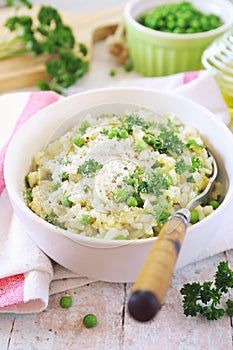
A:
x: 131, y: 4
x: 85, y: 240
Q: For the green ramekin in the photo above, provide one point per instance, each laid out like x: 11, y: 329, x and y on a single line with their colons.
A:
x: 155, y: 53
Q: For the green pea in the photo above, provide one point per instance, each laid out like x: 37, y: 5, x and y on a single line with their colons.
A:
x: 214, y: 204
x: 120, y: 237
x: 161, y: 23
x: 79, y: 142
x: 121, y: 195
x: 131, y: 180
x: 66, y: 302
x: 113, y: 133
x: 179, y: 30
x: 150, y: 22
x: 123, y: 134
x: 132, y: 202
x: 171, y: 24
x: 85, y: 219
x: 204, y: 23
x: 194, y: 216
x: 128, y: 67
x: 190, y: 30
x: 194, y: 24
x: 89, y: 321
x: 140, y: 145
x: 181, y: 23
x: 180, y: 17
x: 112, y: 73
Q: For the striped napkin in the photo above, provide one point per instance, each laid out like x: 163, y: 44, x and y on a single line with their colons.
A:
x: 27, y: 275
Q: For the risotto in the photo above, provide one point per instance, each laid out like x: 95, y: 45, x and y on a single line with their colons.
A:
x: 120, y: 176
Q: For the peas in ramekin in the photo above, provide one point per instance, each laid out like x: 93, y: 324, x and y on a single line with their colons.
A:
x: 179, y: 18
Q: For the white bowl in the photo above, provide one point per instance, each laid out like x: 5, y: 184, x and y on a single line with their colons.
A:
x: 100, y: 258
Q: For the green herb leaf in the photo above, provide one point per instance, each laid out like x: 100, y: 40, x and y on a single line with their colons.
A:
x: 205, y: 298
x: 51, y: 219
x: 229, y: 309
x: 181, y: 167
x: 47, y: 35
x: 89, y: 167
x: 224, y: 277
x: 156, y: 182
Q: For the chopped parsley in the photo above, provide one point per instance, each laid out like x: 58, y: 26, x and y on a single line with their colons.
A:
x: 157, y: 182
x: 181, y: 167
x: 193, y: 144
x: 83, y: 127
x: 196, y: 163
x: 56, y: 185
x: 164, y: 215
x: 135, y: 119
x: 27, y: 195
x: 63, y: 161
x: 64, y: 176
x: 51, y: 219
x: 143, y: 187
x: 89, y: 167
x: 166, y: 142
x: 66, y: 201
x: 26, y: 178
x: 171, y: 142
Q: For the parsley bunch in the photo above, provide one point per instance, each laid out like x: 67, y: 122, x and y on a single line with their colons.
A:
x: 17, y: 3
x: 205, y: 298
x: 47, y: 35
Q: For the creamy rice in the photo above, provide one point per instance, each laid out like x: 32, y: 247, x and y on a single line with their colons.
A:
x: 119, y: 176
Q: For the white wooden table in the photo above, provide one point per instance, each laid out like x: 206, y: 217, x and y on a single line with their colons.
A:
x: 61, y: 329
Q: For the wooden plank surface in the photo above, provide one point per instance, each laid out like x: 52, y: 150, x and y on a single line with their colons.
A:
x: 59, y: 329
x: 25, y: 70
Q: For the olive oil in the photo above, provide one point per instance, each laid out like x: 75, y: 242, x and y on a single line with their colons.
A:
x: 229, y: 101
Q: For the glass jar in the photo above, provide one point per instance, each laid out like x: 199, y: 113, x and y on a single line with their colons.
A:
x: 218, y: 59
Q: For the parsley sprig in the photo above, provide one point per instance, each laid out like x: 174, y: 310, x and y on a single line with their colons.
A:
x: 205, y: 298
x: 46, y: 35
x: 166, y: 142
x: 89, y: 167
x: 18, y: 3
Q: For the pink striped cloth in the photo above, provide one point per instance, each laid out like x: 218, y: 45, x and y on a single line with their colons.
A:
x: 27, y: 275
x: 12, y: 287
x: 36, y: 101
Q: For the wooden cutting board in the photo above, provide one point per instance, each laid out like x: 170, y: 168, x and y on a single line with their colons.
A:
x: 25, y: 70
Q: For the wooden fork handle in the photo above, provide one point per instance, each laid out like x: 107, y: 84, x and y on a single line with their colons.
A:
x: 151, y: 286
